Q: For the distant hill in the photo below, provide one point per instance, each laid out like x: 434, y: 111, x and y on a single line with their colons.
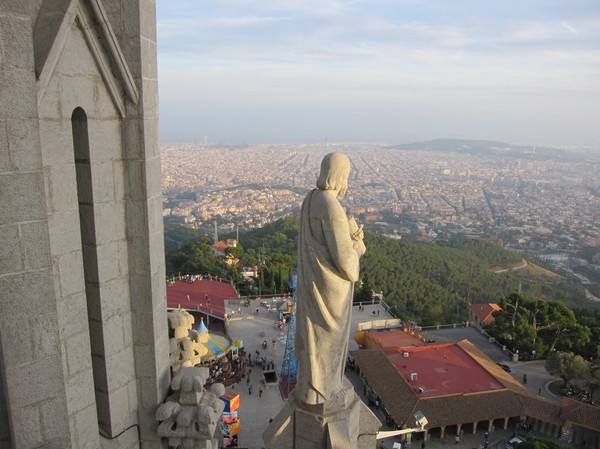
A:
x: 487, y: 148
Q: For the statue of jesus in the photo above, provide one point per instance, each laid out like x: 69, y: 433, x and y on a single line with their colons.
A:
x: 330, y: 245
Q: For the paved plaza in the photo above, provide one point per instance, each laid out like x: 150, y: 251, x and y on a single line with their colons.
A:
x: 256, y: 410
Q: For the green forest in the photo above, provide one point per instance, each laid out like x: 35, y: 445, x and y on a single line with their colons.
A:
x: 433, y: 283
x: 430, y: 283
x: 538, y: 328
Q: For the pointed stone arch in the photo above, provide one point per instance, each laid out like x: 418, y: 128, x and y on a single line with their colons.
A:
x: 53, y: 25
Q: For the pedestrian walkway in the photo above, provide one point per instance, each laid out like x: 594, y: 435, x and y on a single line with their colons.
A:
x: 256, y: 409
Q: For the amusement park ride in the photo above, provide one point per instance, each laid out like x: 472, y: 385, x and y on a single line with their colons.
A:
x: 289, y: 366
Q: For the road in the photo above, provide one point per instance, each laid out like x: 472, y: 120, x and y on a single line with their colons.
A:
x: 518, y: 267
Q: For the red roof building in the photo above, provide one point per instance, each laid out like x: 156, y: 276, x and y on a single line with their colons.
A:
x: 459, y: 388
x: 481, y: 314
x: 203, y: 295
x: 451, y: 384
x: 219, y: 248
x: 387, y: 338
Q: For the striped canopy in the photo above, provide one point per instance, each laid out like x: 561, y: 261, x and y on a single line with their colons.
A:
x: 217, y: 345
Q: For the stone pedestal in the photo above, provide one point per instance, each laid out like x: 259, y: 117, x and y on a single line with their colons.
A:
x: 344, y: 422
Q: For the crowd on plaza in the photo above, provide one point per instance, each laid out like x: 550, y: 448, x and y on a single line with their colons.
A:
x: 229, y: 370
x: 226, y: 370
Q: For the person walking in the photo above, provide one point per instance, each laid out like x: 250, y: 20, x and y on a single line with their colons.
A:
x: 250, y: 389
x: 456, y: 439
x: 260, y: 392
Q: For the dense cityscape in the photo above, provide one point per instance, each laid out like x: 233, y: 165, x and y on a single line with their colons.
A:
x: 473, y: 318
x: 547, y: 205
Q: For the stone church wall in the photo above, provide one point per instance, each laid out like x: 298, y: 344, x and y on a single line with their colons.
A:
x: 83, y: 327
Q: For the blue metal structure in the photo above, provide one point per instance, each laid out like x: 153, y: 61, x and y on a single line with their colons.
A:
x: 289, y: 366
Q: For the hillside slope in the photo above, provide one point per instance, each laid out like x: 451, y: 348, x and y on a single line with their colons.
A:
x: 429, y: 283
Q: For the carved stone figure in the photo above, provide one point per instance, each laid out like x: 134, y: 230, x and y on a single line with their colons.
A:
x: 323, y: 410
x: 189, y: 418
x: 186, y: 345
x: 329, y: 248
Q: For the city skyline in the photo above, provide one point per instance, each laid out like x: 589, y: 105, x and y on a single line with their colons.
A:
x: 406, y: 192
x: 390, y: 72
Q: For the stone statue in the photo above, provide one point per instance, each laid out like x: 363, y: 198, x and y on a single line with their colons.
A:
x: 329, y: 248
x: 324, y: 412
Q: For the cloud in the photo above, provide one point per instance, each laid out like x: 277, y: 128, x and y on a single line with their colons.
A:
x: 278, y: 60
x: 569, y: 28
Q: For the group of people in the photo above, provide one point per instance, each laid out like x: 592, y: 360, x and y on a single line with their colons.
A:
x: 256, y: 312
x: 258, y: 359
x: 350, y: 363
x: 251, y: 388
x: 226, y: 370
x: 527, y: 427
x: 361, y: 308
x: 191, y: 278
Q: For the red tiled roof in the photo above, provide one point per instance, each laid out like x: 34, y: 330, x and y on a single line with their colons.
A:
x: 402, y: 399
x: 484, y: 312
x: 392, y: 338
x: 511, y: 399
x: 442, y: 369
x: 221, y: 246
x: 193, y: 296
x: 585, y: 415
x: 491, y: 367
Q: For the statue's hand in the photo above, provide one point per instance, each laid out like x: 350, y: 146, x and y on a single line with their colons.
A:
x: 356, y: 230
x: 359, y: 233
x: 359, y: 247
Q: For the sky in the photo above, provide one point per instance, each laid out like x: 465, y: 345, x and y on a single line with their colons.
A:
x: 403, y: 71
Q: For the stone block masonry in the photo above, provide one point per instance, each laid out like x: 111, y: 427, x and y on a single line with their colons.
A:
x: 79, y: 253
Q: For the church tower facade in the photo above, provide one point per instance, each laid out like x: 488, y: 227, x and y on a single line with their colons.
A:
x: 83, y: 323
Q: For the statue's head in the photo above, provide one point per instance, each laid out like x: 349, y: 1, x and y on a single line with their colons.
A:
x: 335, y: 169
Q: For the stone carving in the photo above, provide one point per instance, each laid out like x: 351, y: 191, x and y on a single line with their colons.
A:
x: 189, y: 418
x: 186, y: 345
x: 329, y: 248
x: 324, y: 412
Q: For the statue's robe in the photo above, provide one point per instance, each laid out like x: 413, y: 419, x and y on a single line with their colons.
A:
x: 328, y: 266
